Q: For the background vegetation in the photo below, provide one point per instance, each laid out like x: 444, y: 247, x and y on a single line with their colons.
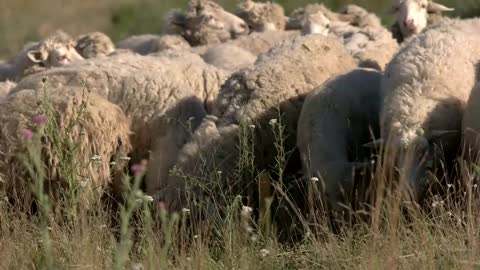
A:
x: 26, y: 20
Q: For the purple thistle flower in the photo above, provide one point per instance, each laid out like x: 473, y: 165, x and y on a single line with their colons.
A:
x: 27, y: 133
x: 39, y: 119
x: 136, y: 169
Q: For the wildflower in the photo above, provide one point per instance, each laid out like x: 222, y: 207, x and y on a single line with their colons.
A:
x: 475, y: 186
x: 264, y: 252
x: 246, y: 210
x: 27, y: 133
x: 39, y: 119
x: 219, y: 172
x: 314, y: 179
x: 272, y: 122
x: 125, y: 158
x: 191, y: 118
x: 195, y: 236
x: 252, y: 126
x: 148, y: 198
x: 186, y: 211
x: 136, y: 169
x: 96, y: 158
x: 449, y: 186
x: 113, y: 163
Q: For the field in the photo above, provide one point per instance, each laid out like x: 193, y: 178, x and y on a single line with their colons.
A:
x: 139, y: 234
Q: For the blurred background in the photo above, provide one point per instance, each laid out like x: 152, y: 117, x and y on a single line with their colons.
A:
x: 29, y: 20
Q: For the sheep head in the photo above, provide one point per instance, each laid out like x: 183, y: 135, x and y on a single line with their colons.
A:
x: 94, y: 44
x: 412, y: 15
x: 315, y: 23
x: 57, y: 49
x: 262, y: 17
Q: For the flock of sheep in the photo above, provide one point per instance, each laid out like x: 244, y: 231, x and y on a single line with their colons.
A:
x: 334, y: 83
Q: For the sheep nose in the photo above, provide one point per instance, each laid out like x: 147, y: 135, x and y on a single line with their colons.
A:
x: 409, y: 24
x: 243, y: 26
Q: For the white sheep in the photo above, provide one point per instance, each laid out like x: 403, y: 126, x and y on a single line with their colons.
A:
x: 425, y: 89
x: 276, y: 85
x: 337, y: 118
x: 228, y: 57
x: 98, y: 130
x: 204, y: 22
x: 262, y: 17
x: 412, y: 16
x: 145, y: 87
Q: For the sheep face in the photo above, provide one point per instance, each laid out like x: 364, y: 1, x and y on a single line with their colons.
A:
x: 262, y: 17
x: 315, y: 23
x: 412, y: 14
x: 56, y: 50
x: 207, y: 17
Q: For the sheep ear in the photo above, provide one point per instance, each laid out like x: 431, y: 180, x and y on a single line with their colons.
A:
x: 37, y: 56
x: 391, y: 10
x: 435, y: 7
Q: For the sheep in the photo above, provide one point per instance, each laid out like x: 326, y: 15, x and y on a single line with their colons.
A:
x: 204, y: 22
x: 262, y: 17
x: 145, y: 87
x: 412, y: 16
x: 98, y: 130
x: 278, y: 81
x: 55, y: 50
x: 228, y: 57
x: 5, y: 88
x: 337, y: 118
x: 147, y: 44
x: 425, y: 89
x: 258, y: 43
x: 95, y: 44
x: 470, y: 124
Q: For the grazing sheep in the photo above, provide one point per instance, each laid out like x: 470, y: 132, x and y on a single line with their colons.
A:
x: 147, y: 44
x: 95, y: 44
x: 99, y: 133
x: 205, y: 22
x: 275, y: 85
x: 145, y: 87
x: 55, y: 50
x: 336, y: 120
x: 262, y: 17
x: 228, y: 57
x: 425, y: 89
x: 413, y: 16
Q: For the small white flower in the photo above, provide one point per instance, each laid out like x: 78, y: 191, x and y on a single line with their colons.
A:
x: 253, y: 238
x: 113, y: 163
x: 103, y: 226
x: 96, y: 158
x: 449, y: 214
x: 273, y: 121
x: 475, y: 186
x: 191, y: 118
x: 186, y: 211
x: 195, y: 236
x: 125, y: 158
x: 219, y: 172
x: 148, y: 198
x: 449, y: 186
x: 434, y: 204
x: 252, y: 126
x: 314, y: 179
x: 264, y: 252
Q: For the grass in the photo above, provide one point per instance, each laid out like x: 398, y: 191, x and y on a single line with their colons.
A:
x: 143, y: 235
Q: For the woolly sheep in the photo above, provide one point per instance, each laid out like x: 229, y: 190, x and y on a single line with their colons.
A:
x: 425, y: 89
x: 205, y: 22
x: 228, y: 57
x: 262, y: 17
x: 258, y: 43
x: 337, y: 118
x: 145, y: 87
x: 147, y: 44
x: 56, y: 49
x: 100, y: 133
x: 95, y: 44
x: 412, y: 16
x: 279, y: 80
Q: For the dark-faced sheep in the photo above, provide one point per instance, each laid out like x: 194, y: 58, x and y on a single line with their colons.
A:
x: 97, y: 129
x: 425, y: 89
